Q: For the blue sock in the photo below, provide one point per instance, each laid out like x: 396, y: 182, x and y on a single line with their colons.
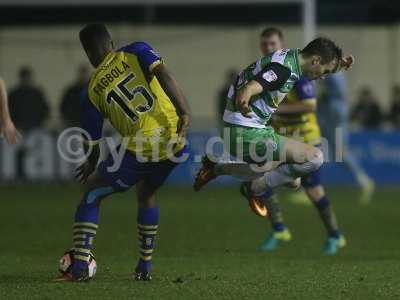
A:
x: 335, y: 234
x: 147, y: 222
x: 327, y: 216
x: 278, y: 226
x: 85, y: 228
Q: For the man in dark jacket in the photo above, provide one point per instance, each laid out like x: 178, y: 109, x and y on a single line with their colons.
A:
x: 28, y: 105
x: 70, y: 103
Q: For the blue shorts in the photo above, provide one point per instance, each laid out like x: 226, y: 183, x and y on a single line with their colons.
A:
x: 131, y: 171
x: 311, y: 180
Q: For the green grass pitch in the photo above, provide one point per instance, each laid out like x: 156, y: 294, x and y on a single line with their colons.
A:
x: 206, y: 248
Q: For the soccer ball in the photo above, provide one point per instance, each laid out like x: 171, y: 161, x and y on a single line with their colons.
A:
x: 66, y: 263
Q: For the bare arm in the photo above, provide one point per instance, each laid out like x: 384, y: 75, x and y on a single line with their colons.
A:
x: 87, y: 167
x: 4, y: 111
x: 174, y: 92
x: 271, y: 78
x: 6, y: 124
x: 244, y: 95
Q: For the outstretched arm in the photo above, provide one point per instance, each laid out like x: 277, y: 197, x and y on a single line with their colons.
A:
x: 174, y: 92
x: 154, y: 66
x: 6, y: 124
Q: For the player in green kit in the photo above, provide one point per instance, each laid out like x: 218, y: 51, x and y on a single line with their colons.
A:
x: 265, y: 159
x: 296, y: 118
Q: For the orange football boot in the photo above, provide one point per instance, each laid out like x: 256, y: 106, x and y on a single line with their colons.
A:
x: 256, y: 203
x: 205, y: 174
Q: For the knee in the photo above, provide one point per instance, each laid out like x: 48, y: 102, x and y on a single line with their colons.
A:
x: 295, y: 184
x: 316, y: 158
x: 146, y: 194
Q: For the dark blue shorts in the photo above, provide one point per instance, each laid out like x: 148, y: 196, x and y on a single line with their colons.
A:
x: 131, y: 171
x: 311, y: 180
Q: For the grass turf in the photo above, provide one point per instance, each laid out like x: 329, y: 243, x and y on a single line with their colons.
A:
x: 206, y: 248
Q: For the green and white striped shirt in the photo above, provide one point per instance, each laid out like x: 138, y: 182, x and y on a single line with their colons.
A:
x: 266, y: 103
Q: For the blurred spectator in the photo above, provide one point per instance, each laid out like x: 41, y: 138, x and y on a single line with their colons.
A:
x: 70, y: 102
x: 394, y: 114
x: 28, y: 105
x: 223, y: 92
x: 367, y: 112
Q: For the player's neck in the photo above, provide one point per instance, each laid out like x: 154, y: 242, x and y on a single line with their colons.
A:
x: 103, y: 56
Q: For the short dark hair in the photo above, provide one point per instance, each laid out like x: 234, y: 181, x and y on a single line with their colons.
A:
x: 323, y: 47
x: 94, y: 34
x: 25, y: 72
x: 270, y: 31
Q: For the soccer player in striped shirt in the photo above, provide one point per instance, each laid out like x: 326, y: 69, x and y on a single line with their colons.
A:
x: 296, y: 117
x: 265, y: 159
x: 134, y: 90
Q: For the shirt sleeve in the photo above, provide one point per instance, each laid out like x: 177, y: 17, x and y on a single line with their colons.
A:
x: 146, y: 55
x: 91, y: 119
x: 273, y: 76
x: 305, y: 89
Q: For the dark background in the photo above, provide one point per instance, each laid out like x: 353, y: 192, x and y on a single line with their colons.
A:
x: 328, y: 12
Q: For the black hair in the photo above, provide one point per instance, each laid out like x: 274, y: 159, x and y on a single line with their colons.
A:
x: 25, y: 71
x: 270, y: 31
x: 325, y: 48
x: 93, y: 35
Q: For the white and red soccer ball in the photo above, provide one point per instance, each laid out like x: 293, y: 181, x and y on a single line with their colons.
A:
x: 66, y: 261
